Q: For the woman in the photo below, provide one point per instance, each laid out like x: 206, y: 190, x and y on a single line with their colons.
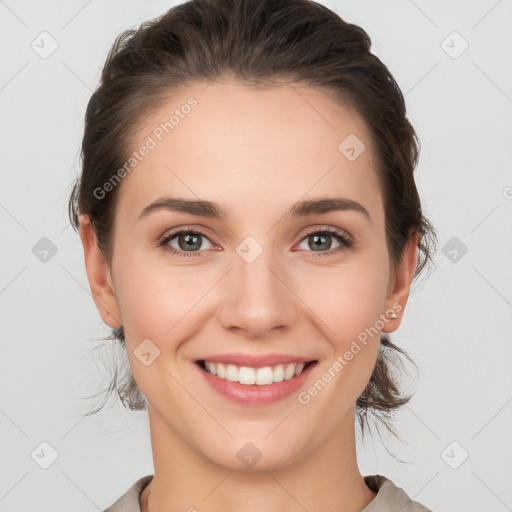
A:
x: 251, y: 228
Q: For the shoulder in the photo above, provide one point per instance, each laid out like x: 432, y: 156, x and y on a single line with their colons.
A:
x: 390, y: 498
x: 129, y: 501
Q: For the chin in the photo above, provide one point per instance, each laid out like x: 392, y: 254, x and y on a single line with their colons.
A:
x: 259, y: 455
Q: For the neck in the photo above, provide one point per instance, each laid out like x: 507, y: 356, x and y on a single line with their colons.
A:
x: 327, y: 479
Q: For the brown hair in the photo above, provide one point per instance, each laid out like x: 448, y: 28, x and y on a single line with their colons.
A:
x: 257, y: 42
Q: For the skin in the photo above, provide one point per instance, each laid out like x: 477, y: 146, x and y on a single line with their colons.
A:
x: 255, y: 152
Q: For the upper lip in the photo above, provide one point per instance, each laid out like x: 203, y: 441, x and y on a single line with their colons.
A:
x: 255, y: 361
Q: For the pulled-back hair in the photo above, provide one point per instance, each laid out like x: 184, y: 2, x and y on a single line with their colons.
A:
x: 258, y: 43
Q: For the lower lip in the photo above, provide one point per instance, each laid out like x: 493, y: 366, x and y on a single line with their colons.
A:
x: 252, y: 394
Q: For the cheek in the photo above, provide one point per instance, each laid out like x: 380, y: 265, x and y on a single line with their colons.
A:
x: 351, y: 308
x: 353, y: 333
x: 143, y: 305
x: 157, y: 300
x: 155, y: 303
x: 351, y: 298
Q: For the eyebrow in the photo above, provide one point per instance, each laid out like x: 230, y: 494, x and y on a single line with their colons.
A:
x: 209, y: 209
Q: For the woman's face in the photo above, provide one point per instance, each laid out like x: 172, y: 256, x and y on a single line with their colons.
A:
x: 253, y: 282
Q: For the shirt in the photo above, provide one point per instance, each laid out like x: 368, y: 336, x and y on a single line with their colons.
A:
x: 389, y: 498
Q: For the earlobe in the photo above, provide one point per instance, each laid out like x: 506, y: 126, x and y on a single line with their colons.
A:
x: 99, y: 276
x: 401, y: 285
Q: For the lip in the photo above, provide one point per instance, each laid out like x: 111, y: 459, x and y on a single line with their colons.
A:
x: 252, y: 394
x: 255, y: 361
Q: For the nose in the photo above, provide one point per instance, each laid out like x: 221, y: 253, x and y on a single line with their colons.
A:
x: 256, y: 298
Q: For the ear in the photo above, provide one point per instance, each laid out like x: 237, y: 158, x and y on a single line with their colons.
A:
x: 98, y: 274
x: 400, y: 284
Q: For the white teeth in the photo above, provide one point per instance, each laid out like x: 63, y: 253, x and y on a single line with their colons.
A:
x: 246, y: 375
x: 289, y: 372
x: 265, y: 376
x: 232, y: 373
x: 260, y: 376
x: 221, y: 370
x: 278, y: 373
x: 211, y: 368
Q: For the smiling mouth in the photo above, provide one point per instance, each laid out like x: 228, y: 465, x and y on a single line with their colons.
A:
x: 259, y: 376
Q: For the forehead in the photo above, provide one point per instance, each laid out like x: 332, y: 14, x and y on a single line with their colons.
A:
x: 240, y: 145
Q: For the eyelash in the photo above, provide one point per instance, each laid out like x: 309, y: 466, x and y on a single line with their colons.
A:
x: 346, y: 242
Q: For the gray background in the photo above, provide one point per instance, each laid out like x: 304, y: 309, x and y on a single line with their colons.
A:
x: 457, y: 325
